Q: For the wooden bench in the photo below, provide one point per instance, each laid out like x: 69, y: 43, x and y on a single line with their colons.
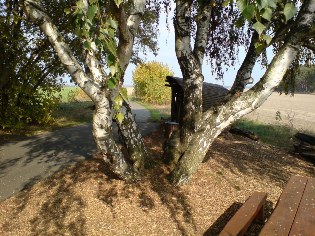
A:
x: 252, y: 209
x: 294, y: 213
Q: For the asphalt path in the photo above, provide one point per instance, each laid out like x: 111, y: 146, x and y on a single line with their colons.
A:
x: 25, y: 162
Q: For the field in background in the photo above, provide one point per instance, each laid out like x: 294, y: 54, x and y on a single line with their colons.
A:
x: 75, y: 108
x: 296, y: 112
x: 275, y: 122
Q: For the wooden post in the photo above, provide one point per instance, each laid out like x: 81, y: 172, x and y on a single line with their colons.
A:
x: 169, y: 127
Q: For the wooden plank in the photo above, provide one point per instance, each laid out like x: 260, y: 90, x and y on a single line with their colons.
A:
x: 242, y: 219
x: 304, y: 222
x: 282, y: 218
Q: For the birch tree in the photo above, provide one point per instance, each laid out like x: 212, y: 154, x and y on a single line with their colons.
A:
x: 106, y: 31
x: 203, y: 29
x: 287, y: 26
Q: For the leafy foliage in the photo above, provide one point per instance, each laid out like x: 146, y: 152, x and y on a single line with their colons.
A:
x: 149, y: 82
x: 30, y: 71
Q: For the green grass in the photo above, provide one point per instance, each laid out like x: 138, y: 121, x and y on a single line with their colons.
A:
x: 157, y: 112
x: 275, y: 135
x: 68, y: 113
x: 71, y: 112
x: 65, y: 92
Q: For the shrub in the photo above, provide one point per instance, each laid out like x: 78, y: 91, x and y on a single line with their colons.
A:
x: 77, y: 95
x: 28, y: 107
x: 149, y: 83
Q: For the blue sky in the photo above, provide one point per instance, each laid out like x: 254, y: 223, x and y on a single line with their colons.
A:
x: 166, y: 55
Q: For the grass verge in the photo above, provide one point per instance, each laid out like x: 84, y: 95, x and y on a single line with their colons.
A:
x: 275, y: 135
x: 157, y: 112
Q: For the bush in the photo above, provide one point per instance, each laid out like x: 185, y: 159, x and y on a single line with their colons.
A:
x: 28, y: 107
x: 77, y: 95
x: 149, y: 83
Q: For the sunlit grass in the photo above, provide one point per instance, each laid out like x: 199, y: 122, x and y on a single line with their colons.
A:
x: 275, y: 135
x: 157, y: 112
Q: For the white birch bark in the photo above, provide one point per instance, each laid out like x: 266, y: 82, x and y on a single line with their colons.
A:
x: 214, y: 123
x: 128, y: 27
x: 91, y: 84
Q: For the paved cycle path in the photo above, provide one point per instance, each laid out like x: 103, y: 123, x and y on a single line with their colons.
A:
x: 23, y: 163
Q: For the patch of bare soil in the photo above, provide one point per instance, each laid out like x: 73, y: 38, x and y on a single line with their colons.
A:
x: 82, y: 200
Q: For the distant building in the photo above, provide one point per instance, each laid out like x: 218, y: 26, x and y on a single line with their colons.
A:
x: 212, y: 95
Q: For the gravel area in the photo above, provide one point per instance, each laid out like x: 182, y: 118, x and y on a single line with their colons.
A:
x: 82, y: 200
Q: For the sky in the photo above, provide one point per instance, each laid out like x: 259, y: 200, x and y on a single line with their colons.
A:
x: 166, y: 55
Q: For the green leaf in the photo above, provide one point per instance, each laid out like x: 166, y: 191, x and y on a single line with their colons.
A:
x: 87, y: 45
x: 110, y: 60
x: 241, y: 4
x: 289, y: 11
x: 112, y: 23
x: 249, y: 12
x: 111, y: 46
x: 272, y: 3
x: 111, y: 33
x: 259, y: 27
x: 267, y: 14
x: 67, y: 11
x: 92, y: 12
x: 112, y: 69
x: 267, y: 38
x: 262, y: 4
x: 118, y: 101
x: 240, y: 22
x: 120, y: 117
x: 118, y: 2
x: 123, y: 93
x: 111, y: 83
x: 225, y: 3
x: 259, y: 47
x: 99, y: 44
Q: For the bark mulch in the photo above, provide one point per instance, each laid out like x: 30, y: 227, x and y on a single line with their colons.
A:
x: 82, y: 200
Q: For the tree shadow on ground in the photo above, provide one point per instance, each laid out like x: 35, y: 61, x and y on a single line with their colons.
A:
x: 235, y: 154
x: 253, y: 229
x: 59, y: 208
x: 39, y: 156
x: 153, y: 188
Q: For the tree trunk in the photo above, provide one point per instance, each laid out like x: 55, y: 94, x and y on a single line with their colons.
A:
x: 132, y: 138
x: 214, y: 122
x: 107, y: 147
x: 93, y: 85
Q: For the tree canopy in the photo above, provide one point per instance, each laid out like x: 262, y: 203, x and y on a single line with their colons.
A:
x: 30, y: 70
x: 106, y: 33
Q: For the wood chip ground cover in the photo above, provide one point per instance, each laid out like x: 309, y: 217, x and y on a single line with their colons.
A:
x: 82, y: 200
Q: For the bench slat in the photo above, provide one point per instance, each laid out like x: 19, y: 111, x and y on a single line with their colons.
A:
x: 280, y: 221
x: 304, y: 223
x: 245, y: 215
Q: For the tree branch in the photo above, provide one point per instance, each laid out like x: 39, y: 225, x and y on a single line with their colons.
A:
x: 92, y: 64
x: 128, y: 28
x: 244, y: 74
x: 253, y: 98
x: 203, y: 24
x: 35, y: 13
